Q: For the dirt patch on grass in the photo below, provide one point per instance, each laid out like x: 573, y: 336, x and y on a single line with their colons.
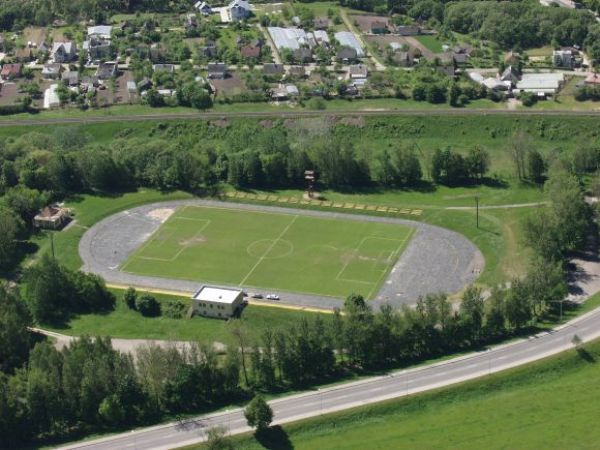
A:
x: 364, y: 22
x: 266, y: 123
x: 358, y: 121
x: 219, y: 123
x: 161, y: 214
x: 192, y: 241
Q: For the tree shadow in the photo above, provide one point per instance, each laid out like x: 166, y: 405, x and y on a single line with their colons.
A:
x: 585, y: 355
x: 274, y: 438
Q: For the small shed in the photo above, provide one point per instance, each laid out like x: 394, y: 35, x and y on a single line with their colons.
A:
x: 211, y: 301
x: 52, y: 218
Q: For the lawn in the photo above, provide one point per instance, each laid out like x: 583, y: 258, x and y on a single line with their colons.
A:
x: 551, y: 404
x: 277, y: 251
x: 128, y: 324
x: 431, y: 42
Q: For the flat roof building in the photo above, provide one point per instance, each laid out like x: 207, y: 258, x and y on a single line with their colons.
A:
x: 211, y: 301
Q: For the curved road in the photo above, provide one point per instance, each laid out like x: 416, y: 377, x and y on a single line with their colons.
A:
x: 397, y: 384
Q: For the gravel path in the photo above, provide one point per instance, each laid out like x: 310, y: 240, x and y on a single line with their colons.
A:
x: 435, y: 260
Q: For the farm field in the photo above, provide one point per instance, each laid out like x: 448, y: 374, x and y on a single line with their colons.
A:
x: 431, y: 42
x: 521, y: 406
x: 271, y: 251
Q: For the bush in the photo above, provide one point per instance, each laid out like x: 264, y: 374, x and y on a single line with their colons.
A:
x: 148, y: 306
x: 175, y: 309
x: 528, y: 99
x: 130, y: 298
x: 316, y: 103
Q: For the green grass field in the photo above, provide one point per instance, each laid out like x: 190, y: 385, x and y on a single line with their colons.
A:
x: 431, y: 42
x: 287, y: 252
x: 551, y: 404
x: 125, y: 323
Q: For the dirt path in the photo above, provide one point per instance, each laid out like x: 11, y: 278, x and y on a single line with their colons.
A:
x: 122, y: 345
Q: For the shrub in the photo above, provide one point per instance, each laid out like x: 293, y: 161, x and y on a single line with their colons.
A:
x: 175, y: 309
x: 130, y: 298
x: 148, y: 306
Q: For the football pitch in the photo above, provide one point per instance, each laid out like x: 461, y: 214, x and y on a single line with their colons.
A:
x: 266, y: 250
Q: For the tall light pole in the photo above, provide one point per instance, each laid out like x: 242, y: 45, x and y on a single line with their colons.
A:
x: 477, y: 209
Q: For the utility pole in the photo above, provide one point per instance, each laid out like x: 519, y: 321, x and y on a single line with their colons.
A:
x: 52, y: 245
x: 477, y: 208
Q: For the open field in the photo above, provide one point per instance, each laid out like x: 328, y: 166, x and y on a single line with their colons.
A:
x: 431, y: 42
x: 550, y: 404
x: 271, y: 250
x: 128, y: 324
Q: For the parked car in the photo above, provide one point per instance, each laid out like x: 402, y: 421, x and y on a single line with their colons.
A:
x: 256, y: 296
x: 272, y: 297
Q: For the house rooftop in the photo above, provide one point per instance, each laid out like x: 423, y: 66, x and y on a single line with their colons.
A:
x: 217, y: 295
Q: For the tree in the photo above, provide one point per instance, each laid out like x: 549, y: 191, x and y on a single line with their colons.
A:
x: 536, y: 167
x: 15, y: 340
x: 258, y: 413
x: 216, y: 439
x: 148, y: 306
x: 477, y: 162
x: 518, y: 149
x: 130, y: 297
x: 9, y: 230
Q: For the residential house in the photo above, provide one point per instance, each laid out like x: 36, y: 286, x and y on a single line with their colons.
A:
x: 163, y: 68
x: 303, y: 55
x: 71, y: 78
x: 24, y: 55
x: 239, y: 10
x: 217, y: 71
x: 563, y: 59
x: 208, y: 50
x: 203, y: 8
x: 379, y: 27
x: 321, y: 23
x: 402, y: 58
x: 11, y: 71
x: 52, y: 71
x: 97, y: 48
x: 272, y: 69
x: 346, y: 54
x: 460, y: 58
x: 106, y: 70
x: 448, y: 70
x: 51, y: 217
x: 63, y: 52
x: 285, y: 92
x: 510, y: 75
x: 408, y: 30
x: 100, y: 31
x: 144, y: 84
x: 296, y: 71
x: 357, y: 71
x: 131, y: 87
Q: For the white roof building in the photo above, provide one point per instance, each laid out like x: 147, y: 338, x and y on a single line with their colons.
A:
x: 51, y: 99
x: 102, y: 31
x: 541, y: 83
x: 348, y: 39
x: 217, y: 302
x: 292, y: 38
x: 321, y: 37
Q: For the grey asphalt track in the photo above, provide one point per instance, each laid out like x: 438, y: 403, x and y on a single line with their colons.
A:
x: 435, y: 260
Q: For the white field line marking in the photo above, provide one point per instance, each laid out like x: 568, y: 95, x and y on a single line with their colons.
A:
x: 339, y: 276
x: 275, y: 241
x: 395, y: 256
x: 207, y: 222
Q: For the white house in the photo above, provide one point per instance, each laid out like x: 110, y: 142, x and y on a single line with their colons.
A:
x: 239, y: 10
x: 217, y: 302
x: 100, y: 31
x: 204, y: 8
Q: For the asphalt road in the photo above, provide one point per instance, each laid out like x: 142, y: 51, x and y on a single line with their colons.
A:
x: 398, y: 384
x: 290, y: 115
